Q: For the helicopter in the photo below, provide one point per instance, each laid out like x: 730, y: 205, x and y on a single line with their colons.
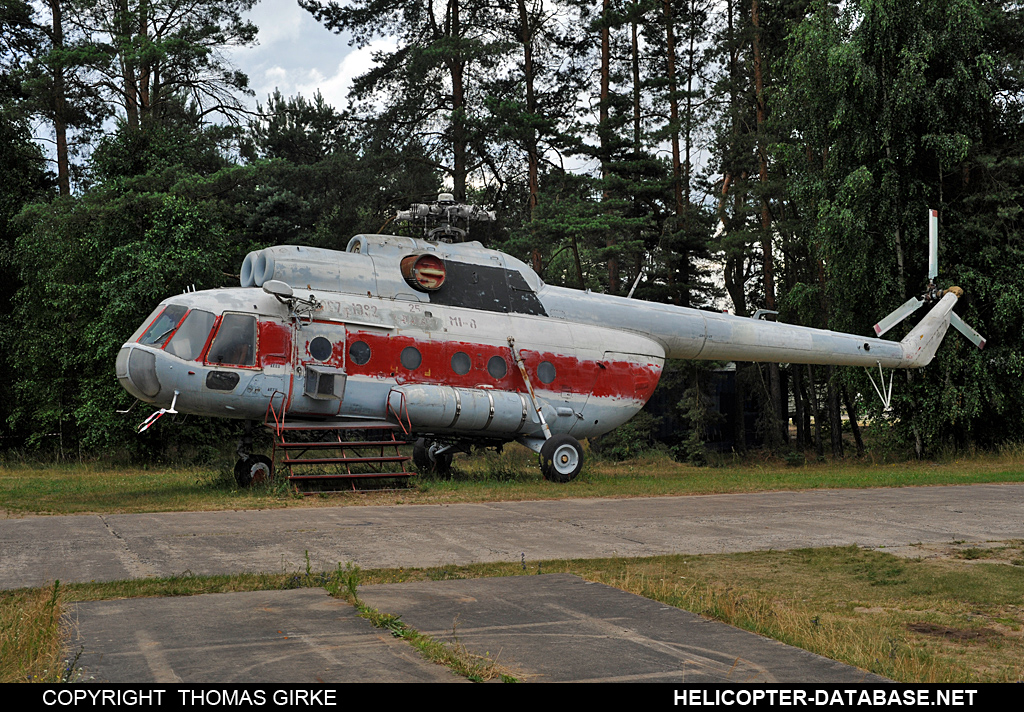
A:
x: 460, y: 344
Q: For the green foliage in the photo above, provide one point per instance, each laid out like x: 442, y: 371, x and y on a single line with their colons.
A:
x: 22, y: 180
x: 629, y: 440
x: 148, y: 57
x: 861, y: 115
x: 895, y: 104
x: 696, y: 408
x: 91, y: 270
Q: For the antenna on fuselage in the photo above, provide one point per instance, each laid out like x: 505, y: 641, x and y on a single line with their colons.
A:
x: 444, y: 214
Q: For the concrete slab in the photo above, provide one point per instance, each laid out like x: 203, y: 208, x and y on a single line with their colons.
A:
x: 36, y: 550
x: 256, y: 637
x: 560, y: 628
x: 549, y: 628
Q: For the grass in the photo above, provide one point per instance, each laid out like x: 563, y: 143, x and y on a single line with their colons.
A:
x: 911, y: 620
x: 947, y: 618
x: 513, y: 475
x: 33, y: 636
x: 955, y: 618
x: 452, y: 654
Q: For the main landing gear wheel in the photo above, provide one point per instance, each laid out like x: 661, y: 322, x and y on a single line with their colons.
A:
x: 427, y: 459
x: 561, y: 458
x: 253, y: 470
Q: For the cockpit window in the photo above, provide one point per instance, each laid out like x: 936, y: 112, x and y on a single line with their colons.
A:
x: 235, y: 342
x: 190, y: 338
x: 163, y: 327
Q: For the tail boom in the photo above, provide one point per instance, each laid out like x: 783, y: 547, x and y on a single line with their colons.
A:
x: 710, y: 336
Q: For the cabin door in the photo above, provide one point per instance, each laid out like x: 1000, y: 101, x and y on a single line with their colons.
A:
x: 320, y: 373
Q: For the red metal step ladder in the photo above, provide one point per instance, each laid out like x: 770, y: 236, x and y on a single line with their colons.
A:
x: 322, y: 455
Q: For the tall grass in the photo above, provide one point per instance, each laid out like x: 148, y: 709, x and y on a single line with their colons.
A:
x: 33, y: 636
x: 881, y: 647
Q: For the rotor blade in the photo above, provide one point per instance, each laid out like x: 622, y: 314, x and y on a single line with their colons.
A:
x: 902, y: 312
x: 933, y: 245
x: 967, y: 331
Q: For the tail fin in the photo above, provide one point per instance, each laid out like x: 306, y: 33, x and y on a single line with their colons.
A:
x: 920, y: 344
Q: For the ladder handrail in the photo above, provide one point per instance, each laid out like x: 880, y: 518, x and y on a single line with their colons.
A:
x: 273, y: 411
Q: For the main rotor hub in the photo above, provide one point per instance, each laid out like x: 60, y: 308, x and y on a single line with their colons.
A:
x: 441, y: 218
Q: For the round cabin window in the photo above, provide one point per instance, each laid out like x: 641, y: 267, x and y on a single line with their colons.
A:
x: 546, y: 372
x: 359, y: 352
x: 321, y: 348
x: 461, y: 363
x: 411, y: 358
x: 497, y: 367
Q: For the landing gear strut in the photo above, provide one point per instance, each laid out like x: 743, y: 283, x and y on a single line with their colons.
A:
x: 432, y: 456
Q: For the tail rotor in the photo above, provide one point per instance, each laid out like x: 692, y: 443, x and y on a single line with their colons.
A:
x: 932, y: 293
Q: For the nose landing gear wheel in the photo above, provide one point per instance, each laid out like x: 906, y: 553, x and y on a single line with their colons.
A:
x: 253, y: 470
x: 561, y: 458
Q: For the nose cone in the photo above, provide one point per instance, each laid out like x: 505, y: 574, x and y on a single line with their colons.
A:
x: 136, y: 372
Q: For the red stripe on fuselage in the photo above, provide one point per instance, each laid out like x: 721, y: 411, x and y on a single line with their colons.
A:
x: 605, y: 379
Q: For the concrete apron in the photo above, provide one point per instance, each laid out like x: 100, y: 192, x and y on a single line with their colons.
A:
x: 37, y: 550
x: 549, y: 628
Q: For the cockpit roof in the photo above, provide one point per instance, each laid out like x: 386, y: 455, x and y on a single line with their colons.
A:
x: 249, y: 300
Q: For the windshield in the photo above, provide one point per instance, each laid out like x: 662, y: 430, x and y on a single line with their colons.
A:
x: 157, y: 333
x: 190, y: 338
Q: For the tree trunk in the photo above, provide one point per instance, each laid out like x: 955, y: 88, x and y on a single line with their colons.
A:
x: 735, y: 276
x: 812, y: 392
x: 531, y: 108
x: 798, y: 403
x: 606, y: 59
x: 678, y: 272
x: 131, y: 90
x: 673, y: 107
x: 740, y: 426
x: 835, y: 419
x: 768, y: 269
x: 145, y: 104
x: 851, y: 412
x: 635, y: 57
x: 60, y: 126
x: 576, y: 261
x: 784, y: 404
x: 766, y: 218
x: 459, y: 140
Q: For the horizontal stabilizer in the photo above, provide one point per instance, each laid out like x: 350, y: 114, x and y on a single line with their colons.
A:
x: 976, y: 338
x: 902, y: 312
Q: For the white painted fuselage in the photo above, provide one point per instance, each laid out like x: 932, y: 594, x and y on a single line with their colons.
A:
x: 372, y: 346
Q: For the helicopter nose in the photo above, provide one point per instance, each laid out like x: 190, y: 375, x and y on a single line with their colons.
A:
x: 136, y: 371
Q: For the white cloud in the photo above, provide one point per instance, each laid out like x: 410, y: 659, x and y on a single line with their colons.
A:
x: 298, y: 55
x: 280, y: 22
x: 335, y: 87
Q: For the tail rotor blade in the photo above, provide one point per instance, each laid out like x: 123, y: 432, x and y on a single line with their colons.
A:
x: 972, y: 335
x: 902, y: 312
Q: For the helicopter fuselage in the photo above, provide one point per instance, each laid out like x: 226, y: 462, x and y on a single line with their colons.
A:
x: 442, y: 370
x: 448, y: 347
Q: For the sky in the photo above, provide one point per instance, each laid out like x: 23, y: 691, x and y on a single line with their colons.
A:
x: 298, y: 55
